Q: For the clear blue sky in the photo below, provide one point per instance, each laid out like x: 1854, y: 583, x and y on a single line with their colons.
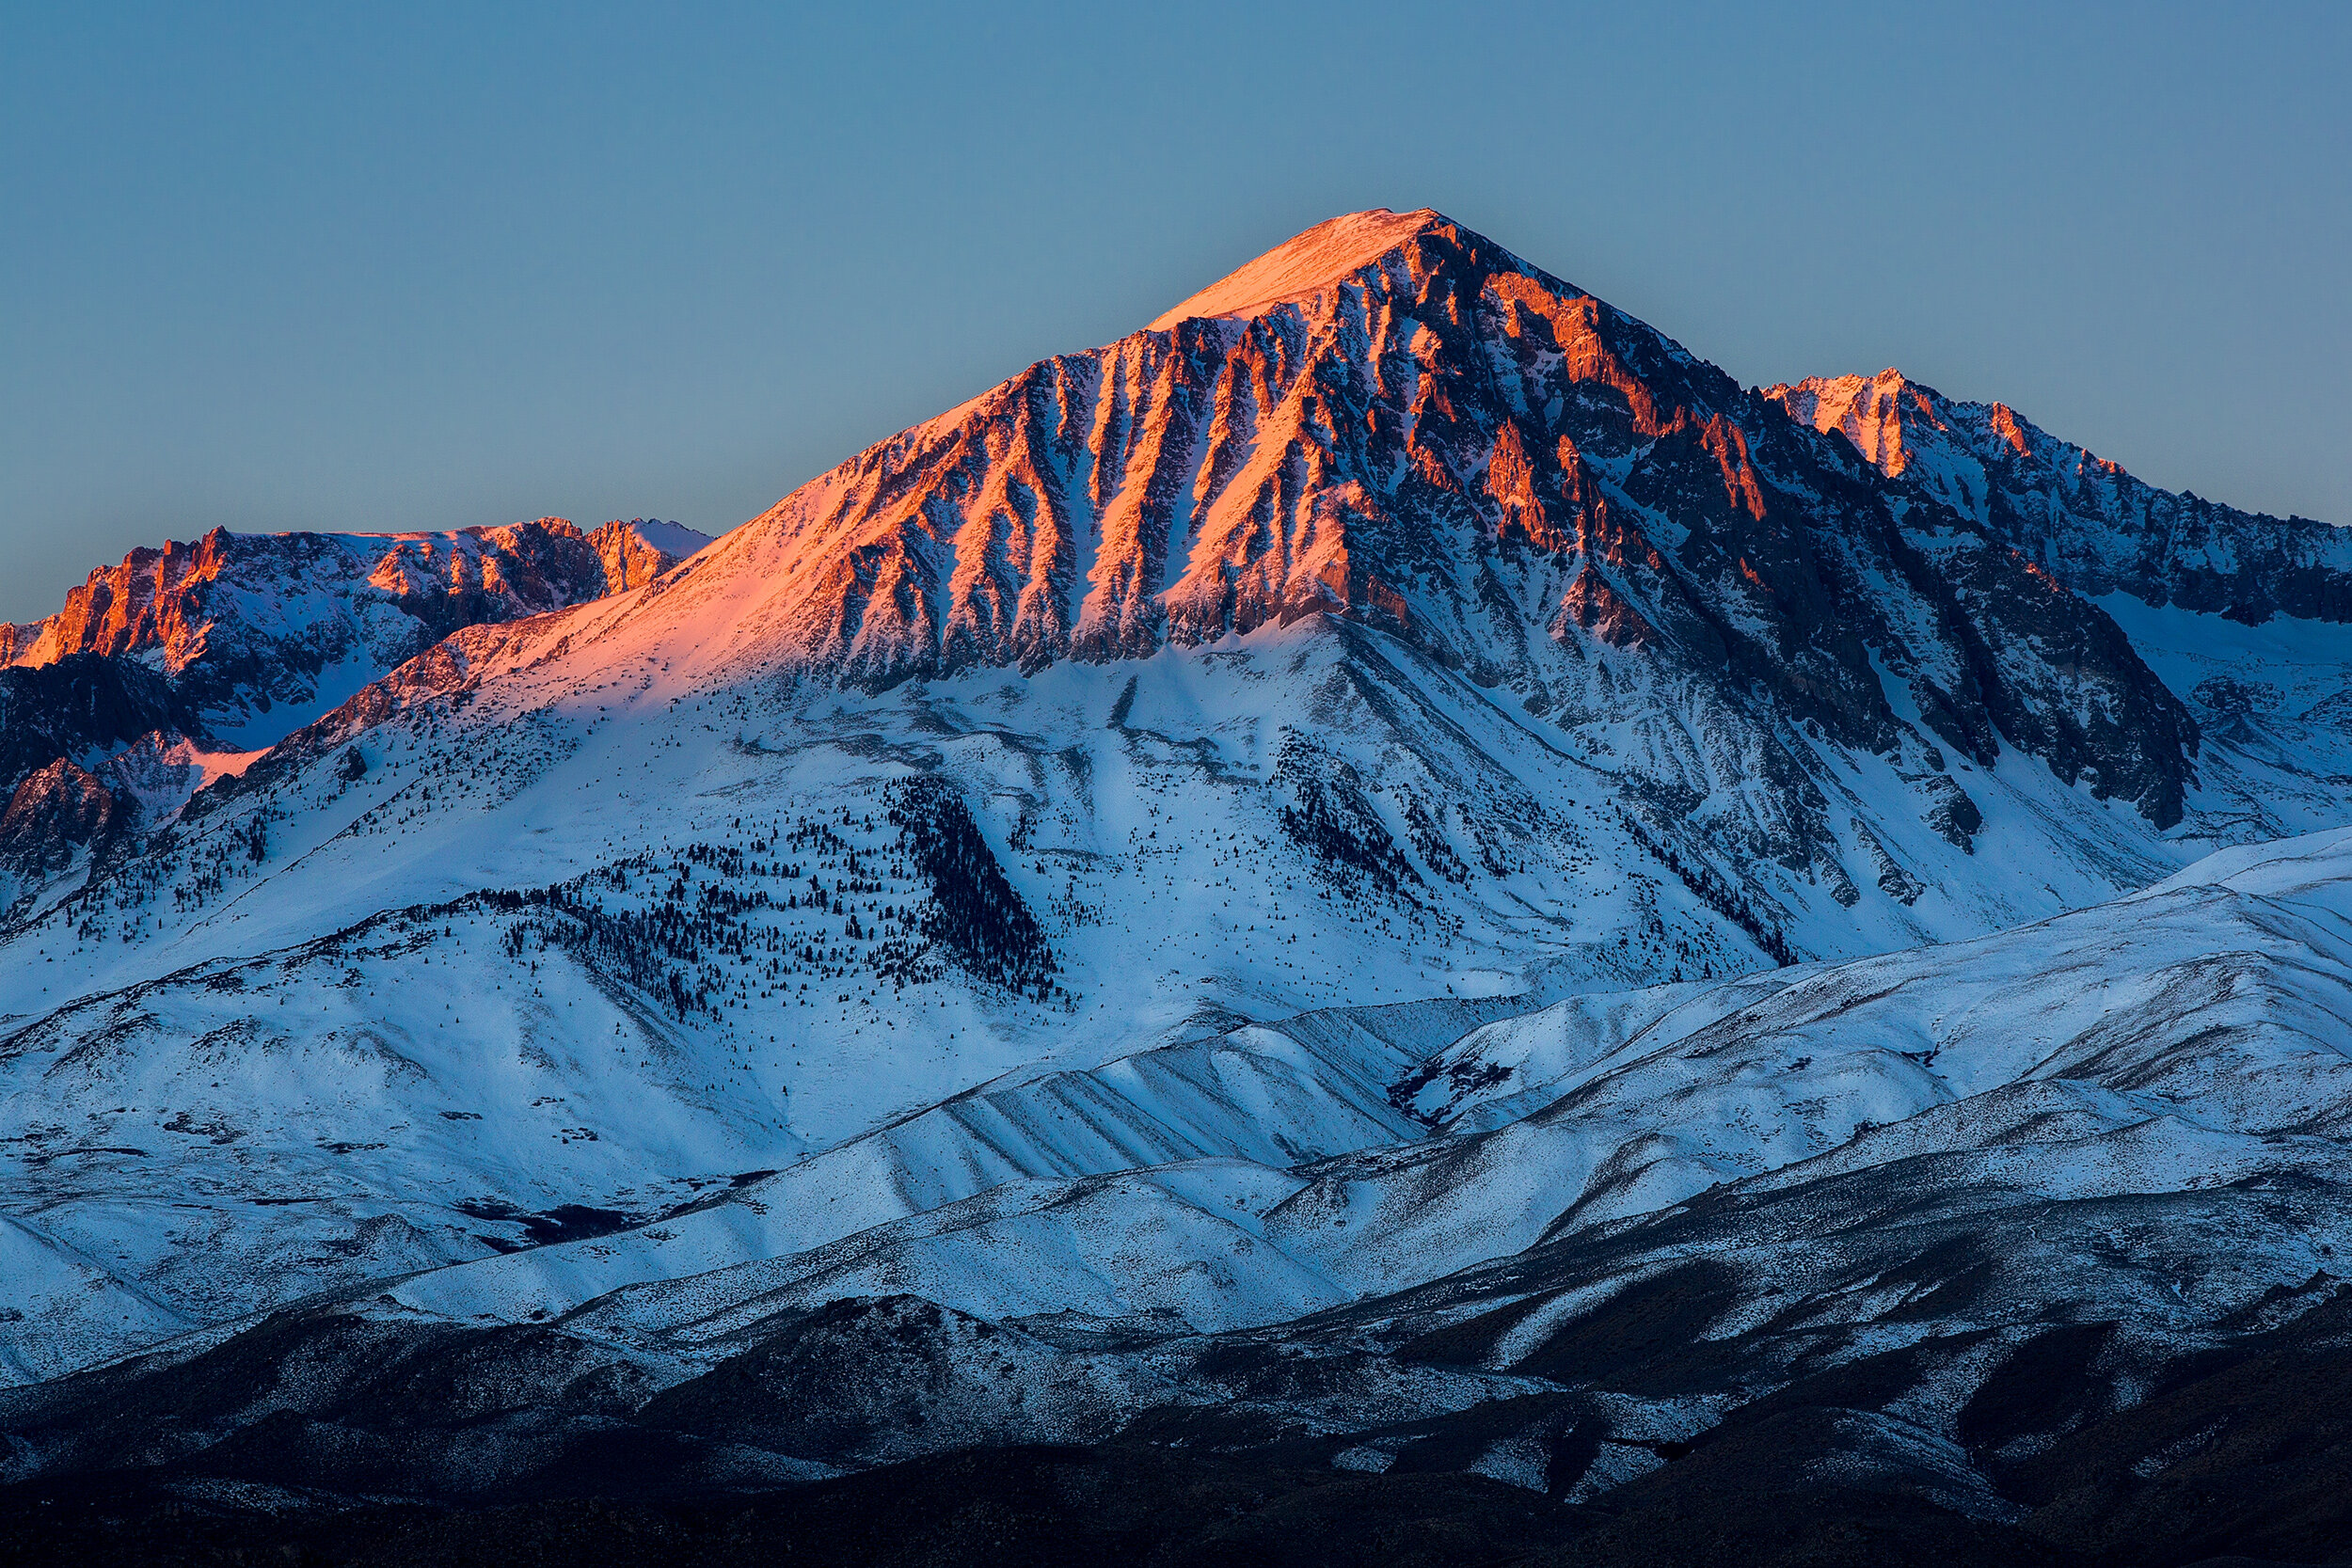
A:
x: 409, y: 266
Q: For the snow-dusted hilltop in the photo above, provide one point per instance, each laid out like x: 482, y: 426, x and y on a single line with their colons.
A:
x: 1388, y: 874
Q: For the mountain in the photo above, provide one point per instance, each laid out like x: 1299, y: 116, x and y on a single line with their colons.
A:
x: 221, y: 647
x: 258, y: 633
x: 2242, y: 612
x: 1396, y: 422
x: 2080, y: 518
x: 1389, y: 883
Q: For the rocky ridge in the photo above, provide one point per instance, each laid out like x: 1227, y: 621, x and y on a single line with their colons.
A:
x: 225, y: 644
x: 2083, y: 519
x: 253, y: 632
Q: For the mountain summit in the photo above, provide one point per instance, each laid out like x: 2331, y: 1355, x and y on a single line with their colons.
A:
x: 1327, y: 441
x: 1321, y: 258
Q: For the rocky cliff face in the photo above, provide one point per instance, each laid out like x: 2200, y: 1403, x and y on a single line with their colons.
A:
x: 2079, y: 517
x: 636, y: 552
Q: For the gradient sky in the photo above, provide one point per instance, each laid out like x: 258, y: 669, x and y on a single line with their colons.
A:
x: 347, y: 267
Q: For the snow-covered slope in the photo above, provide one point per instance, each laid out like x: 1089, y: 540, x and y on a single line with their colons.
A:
x: 2218, y: 1000
x: 2102, y: 1156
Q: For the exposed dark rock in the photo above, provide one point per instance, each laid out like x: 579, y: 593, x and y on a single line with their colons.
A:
x: 55, y: 812
x: 83, y: 707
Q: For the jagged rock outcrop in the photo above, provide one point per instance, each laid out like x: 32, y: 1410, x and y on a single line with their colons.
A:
x: 636, y: 552
x: 2081, y: 518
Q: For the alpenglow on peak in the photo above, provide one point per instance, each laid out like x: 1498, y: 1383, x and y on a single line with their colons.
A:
x: 1301, y: 266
